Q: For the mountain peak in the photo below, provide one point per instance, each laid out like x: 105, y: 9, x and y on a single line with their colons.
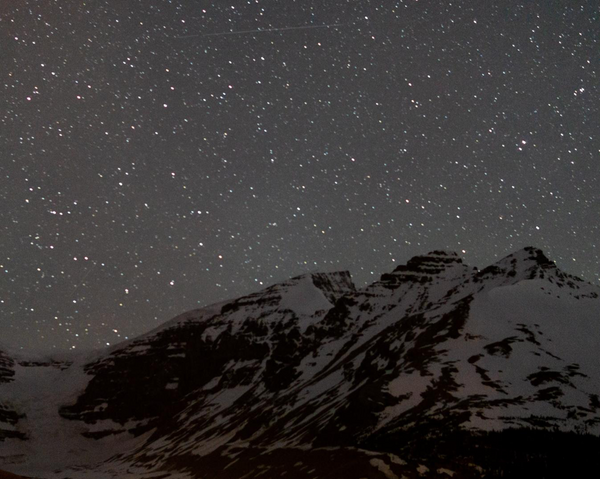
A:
x: 310, y: 292
x: 527, y: 263
x: 427, y: 266
x: 531, y: 253
x: 331, y: 284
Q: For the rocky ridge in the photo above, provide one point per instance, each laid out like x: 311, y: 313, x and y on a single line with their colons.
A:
x: 313, y: 370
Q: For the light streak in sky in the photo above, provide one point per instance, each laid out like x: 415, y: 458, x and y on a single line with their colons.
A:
x: 263, y: 30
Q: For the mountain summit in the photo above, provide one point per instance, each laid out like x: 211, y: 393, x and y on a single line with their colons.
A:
x: 436, y: 369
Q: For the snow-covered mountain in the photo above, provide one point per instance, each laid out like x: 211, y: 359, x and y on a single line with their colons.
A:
x: 436, y: 369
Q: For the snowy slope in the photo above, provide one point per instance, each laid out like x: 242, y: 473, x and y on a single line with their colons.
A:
x: 312, y: 372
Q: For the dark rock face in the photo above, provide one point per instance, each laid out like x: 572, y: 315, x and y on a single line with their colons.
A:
x: 423, y: 268
x: 7, y: 365
x: 430, y: 358
x: 9, y: 417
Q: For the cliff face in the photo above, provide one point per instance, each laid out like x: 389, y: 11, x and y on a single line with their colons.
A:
x: 316, y: 372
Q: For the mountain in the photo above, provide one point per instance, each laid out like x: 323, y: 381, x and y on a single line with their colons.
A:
x: 436, y: 370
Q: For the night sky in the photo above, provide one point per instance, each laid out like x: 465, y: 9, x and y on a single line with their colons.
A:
x: 160, y: 155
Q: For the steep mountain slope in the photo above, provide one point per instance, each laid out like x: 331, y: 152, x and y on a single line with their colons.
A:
x: 314, y: 378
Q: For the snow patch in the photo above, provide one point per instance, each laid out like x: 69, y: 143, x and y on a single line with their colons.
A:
x: 383, y: 468
x: 305, y: 299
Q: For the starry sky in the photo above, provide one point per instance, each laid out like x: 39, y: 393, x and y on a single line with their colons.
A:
x: 160, y: 155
